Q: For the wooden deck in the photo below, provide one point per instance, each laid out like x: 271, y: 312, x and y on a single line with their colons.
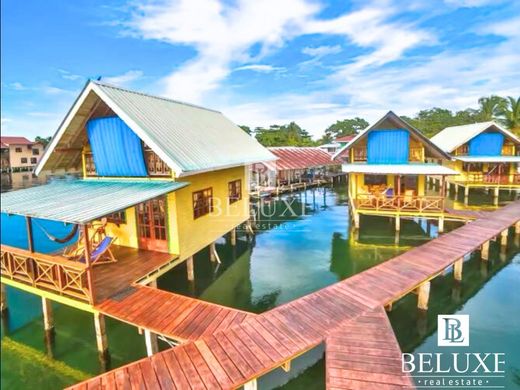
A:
x: 239, y: 354
x: 465, y: 214
x: 132, y: 264
x: 171, y: 315
x: 364, y: 354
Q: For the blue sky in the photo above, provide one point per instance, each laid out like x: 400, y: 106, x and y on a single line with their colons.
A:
x: 260, y: 62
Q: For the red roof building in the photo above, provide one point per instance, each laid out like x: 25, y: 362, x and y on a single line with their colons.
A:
x: 345, y: 138
x: 8, y: 140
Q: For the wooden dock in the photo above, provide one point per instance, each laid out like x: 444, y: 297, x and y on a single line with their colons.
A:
x: 173, y: 316
x: 365, y: 354
x: 238, y: 355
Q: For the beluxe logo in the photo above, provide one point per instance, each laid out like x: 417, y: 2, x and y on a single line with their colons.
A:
x: 453, y: 330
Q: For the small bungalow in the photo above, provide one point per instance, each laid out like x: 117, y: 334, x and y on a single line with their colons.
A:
x: 387, y: 169
x: 160, y: 180
x: 295, y: 167
x: 485, y: 155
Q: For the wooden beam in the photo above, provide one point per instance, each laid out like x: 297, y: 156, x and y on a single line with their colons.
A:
x: 251, y: 385
x: 484, y: 252
x: 213, y: 254
x: 3, y: 300
x: 48, y: 317
x: 503, y: 238
x: 423, y: 296
x: 30, y: 239
x: 233, y: 236
x: 191, y: 271
x: 356, y: 220
x: 101, y: 335
x: 517, y: 228
x: 441, y: 224
x: 397, y: 223
x: 152, y: 345
x: 90, y: 279
x: 457, y: 269
x: 286, y: 366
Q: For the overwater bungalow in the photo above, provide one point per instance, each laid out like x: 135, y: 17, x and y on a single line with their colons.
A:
x: 160, y: 181
x: 387, y: 169
x: 485, y: 155
x: 294, y: 168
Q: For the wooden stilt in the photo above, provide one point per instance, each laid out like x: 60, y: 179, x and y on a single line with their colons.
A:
x: 249, y: 228
x: 153, y: 283
x: 286, y: 366
x: 389, y: 307
x: 251, y: 385
x: 3, y: 300
x: 356, y: 220
x: 191, y: 271
x: 495, y: 195
x: 152, y: 345
x: 397, y: 223
x: 213, y: 254
x: 466, y: 191
x: 48, y: 317
x: 441, y: 224
x: 484, y: 252
x: 456, y: 189
x: 101, y: 335
x: 423, y: 296
x: 517, y: 228
x: 233, y: 236
x: 503, y: 238
x: 457, y: 269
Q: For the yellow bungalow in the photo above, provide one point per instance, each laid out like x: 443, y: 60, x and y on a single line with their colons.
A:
x: 160, y: 180
x: 387, y: 169
x: 485, y: 155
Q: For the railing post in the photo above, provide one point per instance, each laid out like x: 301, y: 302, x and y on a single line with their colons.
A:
x: 29, y: 263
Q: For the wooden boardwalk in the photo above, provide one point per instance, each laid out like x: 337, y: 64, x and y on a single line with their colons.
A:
x: 241, y: 353
x: 364, y: 354
x: 171, y: 315
x: 465, y: 214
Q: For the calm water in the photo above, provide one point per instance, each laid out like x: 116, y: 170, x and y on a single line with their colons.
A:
x: 305, y: 243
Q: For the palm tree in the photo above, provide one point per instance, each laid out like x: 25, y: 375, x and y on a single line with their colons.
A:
x: 491, y: 106
x: 511, y: 114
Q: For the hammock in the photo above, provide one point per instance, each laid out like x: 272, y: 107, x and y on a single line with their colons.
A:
x: 63, y: 240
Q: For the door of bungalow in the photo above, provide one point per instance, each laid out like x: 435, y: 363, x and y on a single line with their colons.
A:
x: 151, y: 225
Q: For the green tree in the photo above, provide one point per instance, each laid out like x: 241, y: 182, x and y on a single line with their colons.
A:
x: 344, y: 127
x: 43, y: 140
x: 247, y: 129
x: 287, y: 135
x: 510, y: 114
x: 490, y: 107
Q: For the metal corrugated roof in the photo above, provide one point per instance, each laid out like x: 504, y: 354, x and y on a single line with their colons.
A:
x: 398, y: 169
x: 293, y: 157
x: 452, y: 137
x: 487, y: 159
x: 188, y: 138
x: 81, y: 201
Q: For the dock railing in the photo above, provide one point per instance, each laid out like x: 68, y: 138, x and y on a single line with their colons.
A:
x: 56, y: 274
x: 482, y: 178
x: 403, y: 203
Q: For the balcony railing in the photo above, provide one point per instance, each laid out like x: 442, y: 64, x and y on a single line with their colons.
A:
x: 51, y: 273
x: 154, y: 165
x: 416, y: 155
x: 482, y: 178
x: 403, y: 203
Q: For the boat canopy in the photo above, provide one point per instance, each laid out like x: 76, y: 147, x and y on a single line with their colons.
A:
x: 82, y: 201
x: 398, y: 169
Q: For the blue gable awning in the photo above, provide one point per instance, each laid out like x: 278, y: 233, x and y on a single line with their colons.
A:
x: 388, y: 146
x: 117, y: 150
x: 486, y: 144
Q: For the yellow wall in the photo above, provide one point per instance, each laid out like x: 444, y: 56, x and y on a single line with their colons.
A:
x: 126, y: 233
x: 189, y: 235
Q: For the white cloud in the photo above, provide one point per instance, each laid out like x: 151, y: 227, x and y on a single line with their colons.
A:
x: 262, y: 68
x: 321, y: 51
x: 124, y: 79
x: 69, y: 76
x: 17, y: 86
x: 470, y: 3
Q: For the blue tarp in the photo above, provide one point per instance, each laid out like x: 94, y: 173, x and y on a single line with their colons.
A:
x: 486, y: 144
x: 388, y: 146
x: 117, y: 150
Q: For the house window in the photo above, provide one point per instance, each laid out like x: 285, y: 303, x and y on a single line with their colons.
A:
x: 375, y: 180
x: 235, y: 191
x: 202, y: 202
x: 118, y: 217
x: 18, y: 150
x: 36, y: 152
x: 29, y: 147
x: 34, y: 160
x: 23, y: 160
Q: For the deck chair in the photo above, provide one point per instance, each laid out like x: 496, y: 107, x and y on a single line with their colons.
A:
x: 101, y: 253
x: 76, y: 250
